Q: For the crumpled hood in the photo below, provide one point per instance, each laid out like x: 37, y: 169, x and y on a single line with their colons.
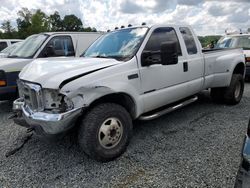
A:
x: 13, y: 64
x: 50, y: 73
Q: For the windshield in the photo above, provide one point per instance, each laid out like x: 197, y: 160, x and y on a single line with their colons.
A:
x: 121, y: 45
x: 29, y: 46
x: 234, y: 42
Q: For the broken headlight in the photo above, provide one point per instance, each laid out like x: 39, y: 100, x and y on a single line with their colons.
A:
x: 56, y: 102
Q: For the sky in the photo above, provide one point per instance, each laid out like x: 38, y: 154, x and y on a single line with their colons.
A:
x: 207, y: 17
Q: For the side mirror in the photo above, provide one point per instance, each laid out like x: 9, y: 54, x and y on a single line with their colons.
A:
x: 49, y: 51
x: 150, y: 58
x: 146, y: 58
x: 169, y: 53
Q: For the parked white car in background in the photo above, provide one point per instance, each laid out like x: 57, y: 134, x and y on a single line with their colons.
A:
x: 237, y: 41
x: 4, y: 43
x: 43, y: 45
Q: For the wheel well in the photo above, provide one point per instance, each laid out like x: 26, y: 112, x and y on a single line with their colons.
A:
x: 239, y: 69
x: 119, y: 98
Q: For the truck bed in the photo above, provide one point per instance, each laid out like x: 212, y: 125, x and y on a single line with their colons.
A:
x: 217, y: 69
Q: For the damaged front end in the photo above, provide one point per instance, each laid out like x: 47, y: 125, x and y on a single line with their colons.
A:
x: 46, y: 111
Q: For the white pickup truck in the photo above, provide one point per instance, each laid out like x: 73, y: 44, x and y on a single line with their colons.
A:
x: 132, y: 73
x: 43, y: 45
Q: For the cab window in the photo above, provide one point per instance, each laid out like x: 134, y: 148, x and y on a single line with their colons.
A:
x: 58, y: 46
x: 159, y: 36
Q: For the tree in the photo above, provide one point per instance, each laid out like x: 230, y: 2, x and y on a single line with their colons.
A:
x: 39, y: 22
x: 25, y: 14
x: 206, y: 40
x: 89, y: 29
x: 94, y: 29
x: 7, y: 27
x: 24, y: 22
x: 30, y: 23
x: 8, y: 30
x: 55, y: 22
x: 72, y: 23
x: 35, y: 21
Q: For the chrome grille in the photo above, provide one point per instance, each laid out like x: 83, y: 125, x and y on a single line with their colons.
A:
x: 32, y: 95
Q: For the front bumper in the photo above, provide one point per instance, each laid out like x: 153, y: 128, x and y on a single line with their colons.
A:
x: 45, y: 123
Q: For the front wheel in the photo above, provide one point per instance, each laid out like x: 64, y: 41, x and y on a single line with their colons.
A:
x: 105, y: 132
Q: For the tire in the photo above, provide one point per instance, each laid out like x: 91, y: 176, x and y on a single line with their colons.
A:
x: 230, y: 95
x: 105, y: 131
x: 234, y: 92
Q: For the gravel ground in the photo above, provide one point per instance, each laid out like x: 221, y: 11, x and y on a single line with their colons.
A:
x: 197, y: 146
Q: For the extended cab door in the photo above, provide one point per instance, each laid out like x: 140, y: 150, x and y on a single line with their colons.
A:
x: 195, y: 61
x: 162, y: 84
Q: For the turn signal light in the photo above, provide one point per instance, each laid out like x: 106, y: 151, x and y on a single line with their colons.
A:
x: 3, y: 83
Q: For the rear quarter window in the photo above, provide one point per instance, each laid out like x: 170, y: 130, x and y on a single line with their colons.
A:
x: 189, y: 40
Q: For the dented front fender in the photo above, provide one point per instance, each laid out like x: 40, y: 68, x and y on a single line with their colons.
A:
x: 83, y: 96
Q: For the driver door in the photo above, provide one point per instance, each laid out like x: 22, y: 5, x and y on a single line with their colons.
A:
x: 162, y: 84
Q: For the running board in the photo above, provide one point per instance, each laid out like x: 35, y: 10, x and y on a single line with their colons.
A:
x: 169, y: 109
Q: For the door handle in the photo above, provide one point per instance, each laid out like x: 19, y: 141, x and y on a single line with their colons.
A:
x: 185, y: 66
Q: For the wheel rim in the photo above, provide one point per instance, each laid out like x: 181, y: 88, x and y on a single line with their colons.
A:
x: 237, y: 90
x: 110, y: 133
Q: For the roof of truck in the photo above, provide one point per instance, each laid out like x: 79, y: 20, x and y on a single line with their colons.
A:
x: 169, y: 25
x: 237, y: 35
x: 150, y: 26
x: 70, y: 32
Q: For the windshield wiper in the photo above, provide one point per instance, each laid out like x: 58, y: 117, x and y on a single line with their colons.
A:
x: 116, y: 57
x: 119, y: 57
x: 100, y: 56
x: 13, y: 56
